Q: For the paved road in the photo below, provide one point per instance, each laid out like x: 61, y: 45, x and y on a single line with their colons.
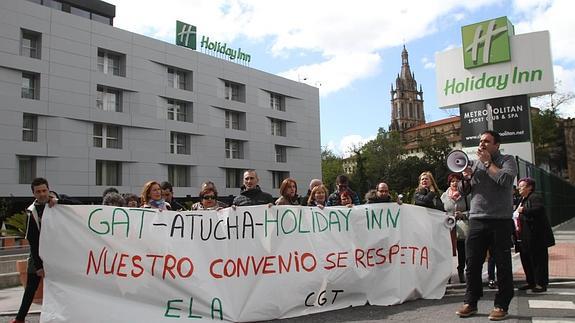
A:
x: 555, y: 305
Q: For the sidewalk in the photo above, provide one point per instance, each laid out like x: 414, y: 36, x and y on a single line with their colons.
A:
x: 561, y: 267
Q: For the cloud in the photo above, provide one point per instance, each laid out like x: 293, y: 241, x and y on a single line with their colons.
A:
x: 427, y: 64
x: 565, y: 83
x: 347, y: 36
x: 349, y: 142
x: 336, y: 73
x: 555, y: 16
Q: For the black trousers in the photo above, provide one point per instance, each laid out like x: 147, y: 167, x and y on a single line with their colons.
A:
x: 535, y: 262
x: 495, y: 236
x: 31, y: 287
x: 460, y: 256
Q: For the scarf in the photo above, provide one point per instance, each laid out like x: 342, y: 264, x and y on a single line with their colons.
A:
x: 453, y: 194
x: 158, y: 204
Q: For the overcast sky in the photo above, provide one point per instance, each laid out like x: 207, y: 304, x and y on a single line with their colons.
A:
x: 351, y: 50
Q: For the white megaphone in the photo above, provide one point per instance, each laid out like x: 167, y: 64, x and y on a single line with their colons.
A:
x: 450, y: 222
x: 457, y: 161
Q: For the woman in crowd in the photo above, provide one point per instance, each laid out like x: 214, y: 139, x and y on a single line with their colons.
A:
x: 114, y: 199
x: 151, y: 196
x: 208, y: 198
x: 536, y: 236
x: 457, y: 205
x: 427, y: 193
x: 131, y: 199
x: 318, y: 196
x: 288, y: 193
x: 346, y: 199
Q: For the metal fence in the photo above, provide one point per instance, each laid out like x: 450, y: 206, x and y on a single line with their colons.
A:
x: 558, y: 194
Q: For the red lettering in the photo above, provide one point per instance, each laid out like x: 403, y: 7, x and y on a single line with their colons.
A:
x: 268, y: 264
x: 424, y: 257
x: 305, y: 256
x: 332, y: 264
x: 342, y: 256
x: 121, y: 265
x: 358, y: 257
x: 393, y: 250
x: 136, y: 264
x: 212, y: 265
x: 379, y: 253
x: 169, y: 265
x: 190, y: 267
x: 154, y: 258
x: 92, y: 261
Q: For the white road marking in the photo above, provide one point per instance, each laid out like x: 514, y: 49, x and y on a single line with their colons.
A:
x: 564, y: 305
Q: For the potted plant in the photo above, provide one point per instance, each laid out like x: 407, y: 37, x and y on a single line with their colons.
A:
x: 16, y: 227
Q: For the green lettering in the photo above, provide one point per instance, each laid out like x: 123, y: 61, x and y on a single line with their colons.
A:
x: 169, y: 307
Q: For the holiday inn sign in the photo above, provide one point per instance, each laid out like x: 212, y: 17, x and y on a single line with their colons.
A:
x: 493, y: 62
x: 186, y: 36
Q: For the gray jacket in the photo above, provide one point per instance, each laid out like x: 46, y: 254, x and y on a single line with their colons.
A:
x: 492, y: 196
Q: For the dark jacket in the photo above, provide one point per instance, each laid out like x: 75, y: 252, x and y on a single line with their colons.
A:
x: 252, y: 197
x: 35, y: 213
x: 334, y: 200
x: 428, y: 198
x: 535, y: 227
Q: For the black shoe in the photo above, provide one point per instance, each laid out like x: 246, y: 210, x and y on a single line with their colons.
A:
x: 539, y: 289
x: 492, y: 284
x: 526, y: 287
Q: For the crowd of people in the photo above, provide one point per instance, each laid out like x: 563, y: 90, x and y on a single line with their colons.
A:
x: 485, y: 220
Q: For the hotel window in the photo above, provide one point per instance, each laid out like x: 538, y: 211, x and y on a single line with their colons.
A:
x: 281, y: 154
x: 110, y: 62
x: 79, y: 12
x: 179, y: 79
x: 179, y: 175
x: 233, y: 177
x: 278, y: 127
x: 234, y: 149
x: 278, y: 177
x: 234, y: 120
x: 109, y: 99
x: 108, y: 173
x: 107, y: 136
x: 30, y: 127
x: 30, y: 43
x: 26, y: 169
x: 234, y: 91
x: 179, y: 143
x: 30, y: 86
x: 179, y: 110
x: 277, y: 102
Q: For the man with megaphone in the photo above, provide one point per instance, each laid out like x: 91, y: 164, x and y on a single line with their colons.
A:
x: 489, y: 180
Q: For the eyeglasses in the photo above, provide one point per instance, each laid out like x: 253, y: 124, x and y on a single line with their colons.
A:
x: 209, y: 197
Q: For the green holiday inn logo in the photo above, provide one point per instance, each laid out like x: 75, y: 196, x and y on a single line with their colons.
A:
x: 185, y: 35
x: 486, y: 42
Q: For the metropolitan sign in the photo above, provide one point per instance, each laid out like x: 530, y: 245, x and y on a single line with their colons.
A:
x: 507, y: 116
x: 530, y: 70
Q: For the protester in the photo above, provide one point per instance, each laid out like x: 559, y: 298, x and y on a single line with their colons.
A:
x: 427, y: 193
x: 342, y: 184
x: 168, y: 195
x: 536, y: 236
x: 132, y: 200
x: 457, y: 205
x: 288, y: 193
x: 251, y: 193
x: 114, y: 199
x: 313, y: 183
x: 108, y: 190
x: 490, y: 183
x: 345, y: 198
x: 42, y: 197
x: 208, y: 198
x: 151, y: 197
x: 318, y: 196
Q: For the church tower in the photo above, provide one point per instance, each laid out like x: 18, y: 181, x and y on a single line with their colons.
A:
x: 406, y: 101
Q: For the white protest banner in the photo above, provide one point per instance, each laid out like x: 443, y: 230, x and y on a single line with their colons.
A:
x: 107, y: 264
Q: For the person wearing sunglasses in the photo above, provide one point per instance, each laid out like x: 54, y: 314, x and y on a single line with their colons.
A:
x: 208, y: 199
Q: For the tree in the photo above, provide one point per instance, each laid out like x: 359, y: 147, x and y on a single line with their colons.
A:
x: 380, y: 154
x: 435, y: 152
x: 331, y: 166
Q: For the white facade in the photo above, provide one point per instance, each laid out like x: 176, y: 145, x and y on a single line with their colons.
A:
x: 88, y: 106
